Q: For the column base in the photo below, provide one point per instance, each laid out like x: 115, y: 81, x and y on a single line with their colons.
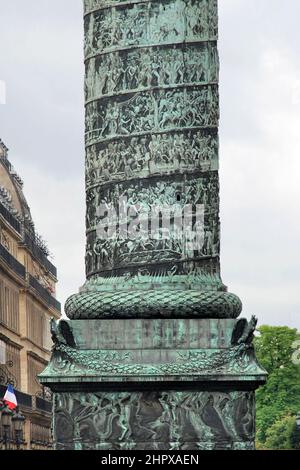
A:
x: 153, y: 384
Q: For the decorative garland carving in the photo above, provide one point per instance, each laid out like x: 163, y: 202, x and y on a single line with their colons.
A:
x: 236, y: 360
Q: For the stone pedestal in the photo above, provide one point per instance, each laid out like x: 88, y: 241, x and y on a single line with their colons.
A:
x: 157, y: 384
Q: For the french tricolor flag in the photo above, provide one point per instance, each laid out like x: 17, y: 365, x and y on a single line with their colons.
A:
x: 10, y: 398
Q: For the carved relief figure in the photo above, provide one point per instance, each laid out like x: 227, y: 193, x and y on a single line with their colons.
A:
x: 147, y: 23
x: 185, y: 420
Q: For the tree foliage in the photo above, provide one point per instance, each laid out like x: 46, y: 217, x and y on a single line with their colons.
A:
x: 278, y: 402
x: 279, y: 435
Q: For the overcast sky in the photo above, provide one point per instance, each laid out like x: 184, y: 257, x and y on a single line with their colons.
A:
x: 42, y: 122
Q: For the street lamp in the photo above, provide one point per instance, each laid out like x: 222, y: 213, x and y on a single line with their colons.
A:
x: 18, y: 421
x: 6, y: 423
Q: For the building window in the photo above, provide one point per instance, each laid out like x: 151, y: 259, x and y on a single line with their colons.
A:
x: 10, y: 370
x: 40, y: 436
x: 2, y: 352
x: 5, y: 240
x: 9, y: 306
x: 38, y: 329
x: 35, y: 367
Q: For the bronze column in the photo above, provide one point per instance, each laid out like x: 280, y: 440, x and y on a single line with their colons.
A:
x: 152, y: 113
x: 153, y: 357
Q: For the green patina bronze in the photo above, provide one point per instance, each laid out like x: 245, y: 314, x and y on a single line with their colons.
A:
x: 152, y: 113
x: 154, y: 384
x: 183, y: 420
x: 153, y: 348
x: 154, y: 356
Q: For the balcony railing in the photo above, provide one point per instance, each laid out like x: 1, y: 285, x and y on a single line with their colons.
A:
x: 28, y: 241
x: 12, y: 262
x: 43, y: 405
x: 46, y: 296
x: 39, y: 255
x: 10, y: 218
x: 22, y: 398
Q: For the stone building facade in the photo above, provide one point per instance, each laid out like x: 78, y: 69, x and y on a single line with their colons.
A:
x: 27, y: 302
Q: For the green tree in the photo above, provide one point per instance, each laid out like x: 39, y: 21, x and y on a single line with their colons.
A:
x: 279, y: 435
x: 280, y: 397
